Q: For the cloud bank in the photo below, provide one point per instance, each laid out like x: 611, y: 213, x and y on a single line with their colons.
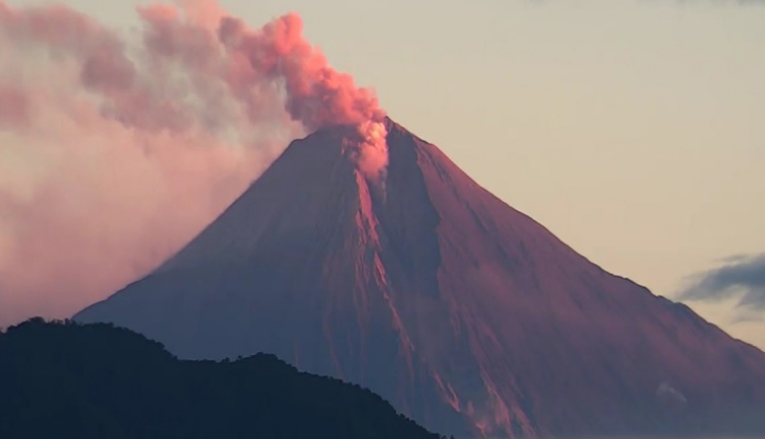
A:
x: 739, y: 274
x: 116, y: 147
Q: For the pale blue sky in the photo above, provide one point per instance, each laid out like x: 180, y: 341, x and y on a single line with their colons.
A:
x: 632, y: 130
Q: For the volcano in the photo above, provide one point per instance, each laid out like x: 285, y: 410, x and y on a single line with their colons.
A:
x: 467, y: 315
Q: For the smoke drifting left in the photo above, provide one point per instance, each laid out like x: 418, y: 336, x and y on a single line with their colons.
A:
x: 116, y: 148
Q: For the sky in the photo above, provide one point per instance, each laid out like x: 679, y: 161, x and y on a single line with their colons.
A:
x: 631, y: 129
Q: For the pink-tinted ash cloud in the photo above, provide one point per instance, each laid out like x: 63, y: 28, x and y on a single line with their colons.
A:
x: 115, y: 150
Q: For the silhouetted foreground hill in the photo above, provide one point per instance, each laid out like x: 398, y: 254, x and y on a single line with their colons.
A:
x: 65, y: 380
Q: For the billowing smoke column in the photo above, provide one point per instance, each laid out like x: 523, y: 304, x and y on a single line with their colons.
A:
x: 316, y: 95
x: 115, y: 149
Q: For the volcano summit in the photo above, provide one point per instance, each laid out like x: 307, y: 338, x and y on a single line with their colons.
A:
x: 466, y: 314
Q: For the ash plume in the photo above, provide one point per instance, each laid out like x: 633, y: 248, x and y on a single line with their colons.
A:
x: 116, y: 147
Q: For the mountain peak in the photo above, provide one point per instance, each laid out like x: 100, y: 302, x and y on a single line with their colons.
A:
x: 465, y: 313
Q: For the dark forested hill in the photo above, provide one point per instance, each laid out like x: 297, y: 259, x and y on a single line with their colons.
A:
x: 65, y: 380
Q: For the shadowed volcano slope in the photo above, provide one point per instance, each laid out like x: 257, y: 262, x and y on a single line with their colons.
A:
x: 463, y: 312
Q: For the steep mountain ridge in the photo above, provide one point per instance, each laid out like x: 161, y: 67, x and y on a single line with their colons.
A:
x: 463, y: 312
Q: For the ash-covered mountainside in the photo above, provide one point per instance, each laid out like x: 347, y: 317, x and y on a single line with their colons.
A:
x: 466, y: 314
x: 65, y: 380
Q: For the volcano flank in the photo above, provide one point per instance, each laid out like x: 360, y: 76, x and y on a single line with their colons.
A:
x: 467, y: 315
